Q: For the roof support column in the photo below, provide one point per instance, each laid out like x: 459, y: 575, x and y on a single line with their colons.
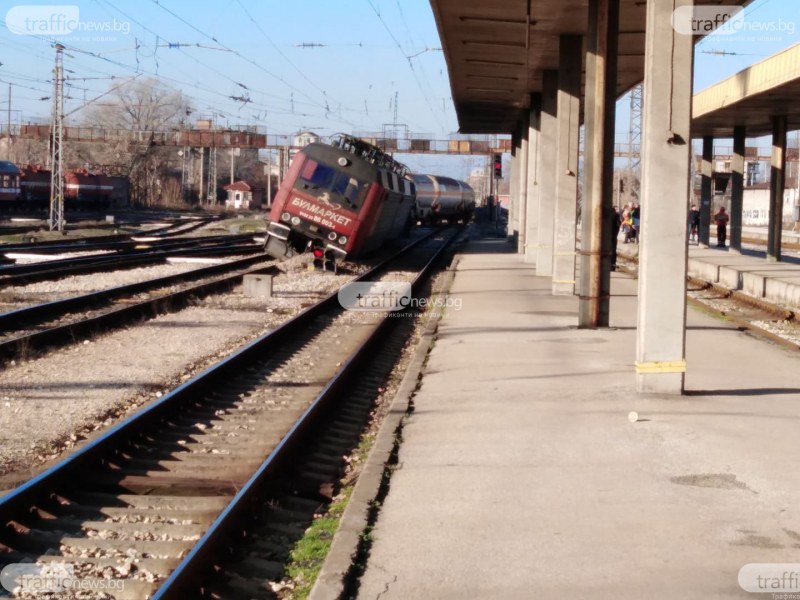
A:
x: 737, y: 188
x: 532, y: 204
x: 777, y: 185
x: 597, y: 212
x: 522, y: 187
x: 568, y: 115
x: 666, y: 151
x: 706, y: 192
x: 513, y: 206
x: 546, y: 168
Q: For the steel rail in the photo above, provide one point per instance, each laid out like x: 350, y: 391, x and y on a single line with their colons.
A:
x: 67, y: 333
x: 184, y: 581
x: 21, y: 499
x: 31, y: 315
x: 116, y: 262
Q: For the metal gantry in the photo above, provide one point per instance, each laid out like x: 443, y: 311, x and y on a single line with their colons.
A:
x: 57, y: 145
x: 635, y: 129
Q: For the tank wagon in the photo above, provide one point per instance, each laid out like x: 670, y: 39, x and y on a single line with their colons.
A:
x: 339, y: 200
x: 9, y: 183
x: 442, y: 198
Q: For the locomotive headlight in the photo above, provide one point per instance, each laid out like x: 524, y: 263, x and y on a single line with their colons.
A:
x: 332, y: 236
x: 295, y: 220
x: 343, y: 240
x: 285, y: 217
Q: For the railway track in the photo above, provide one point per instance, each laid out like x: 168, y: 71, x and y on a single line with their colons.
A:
x: 180, y: 227
x: 149, y: 507
x: 30, y: 329
x: 765, y: 319
x: 56, y: 269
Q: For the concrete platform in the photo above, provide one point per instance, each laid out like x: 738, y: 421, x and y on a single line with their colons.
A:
x: 521, y: 476
x: 749, y: 272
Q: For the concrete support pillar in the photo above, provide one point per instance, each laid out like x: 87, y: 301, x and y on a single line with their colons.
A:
x: 666, y: 151
x: 522, y: 185
x: 513, y: 207
x: 706, y: 192
x: 569, y: 117
x: 532, y: 215
x: 597, y: 211
x: 737, y: 189
x: 546, y: 169
x: 777, y: 185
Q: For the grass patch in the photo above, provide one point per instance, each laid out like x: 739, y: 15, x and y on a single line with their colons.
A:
x: 308, y: 554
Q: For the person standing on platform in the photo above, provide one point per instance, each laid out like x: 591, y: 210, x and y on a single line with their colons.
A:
x: 721, y: 219
x: 616, y: 221
x: 635, y: 211
x: 694, y: 223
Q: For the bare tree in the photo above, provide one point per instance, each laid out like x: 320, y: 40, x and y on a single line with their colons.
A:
x: 139, y: 108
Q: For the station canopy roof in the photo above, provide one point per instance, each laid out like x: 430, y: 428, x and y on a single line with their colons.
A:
x: 494, y: 65
x: 750, y: 98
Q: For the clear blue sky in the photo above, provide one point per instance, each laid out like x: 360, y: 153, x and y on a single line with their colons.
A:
x: 323, y: 65
x: 358, y: 54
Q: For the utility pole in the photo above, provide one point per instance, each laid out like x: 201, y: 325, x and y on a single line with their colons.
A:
x: 269, y: 180
x: 212, y: 176
x: 200, y: 190
x: 56, y: 145
x: 8, y: 131
x: 212, y: 166
x: 232, y: 163
x: 184, y: 154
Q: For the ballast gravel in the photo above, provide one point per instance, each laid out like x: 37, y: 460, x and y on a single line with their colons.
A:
x: 50, y: 404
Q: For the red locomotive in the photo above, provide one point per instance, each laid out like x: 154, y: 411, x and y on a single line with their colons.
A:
x: 339, y: 200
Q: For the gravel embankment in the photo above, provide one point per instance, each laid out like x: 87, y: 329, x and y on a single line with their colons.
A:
x: 49, y: 404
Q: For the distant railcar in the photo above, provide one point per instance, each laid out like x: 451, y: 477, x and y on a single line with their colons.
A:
x: 442, y: 198
x: 35, y: 186
x: 9, y: 184
x: 86, y: 190
x: 339, y: 201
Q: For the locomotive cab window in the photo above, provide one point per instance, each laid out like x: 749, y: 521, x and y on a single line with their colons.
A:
x: 344, y: 189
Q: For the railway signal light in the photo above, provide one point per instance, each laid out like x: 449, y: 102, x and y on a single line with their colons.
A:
x: 498, y: 166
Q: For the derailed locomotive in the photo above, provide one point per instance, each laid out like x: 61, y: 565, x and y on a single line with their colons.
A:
x: 340, y: 201
x: 442, y: 198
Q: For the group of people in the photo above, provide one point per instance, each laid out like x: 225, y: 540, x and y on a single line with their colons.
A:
x: 629, y: 219
x: 721, y: 219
